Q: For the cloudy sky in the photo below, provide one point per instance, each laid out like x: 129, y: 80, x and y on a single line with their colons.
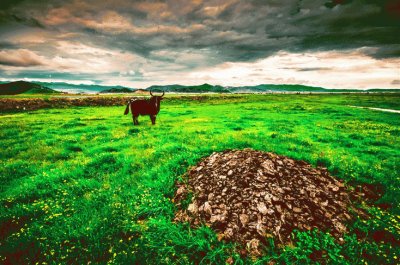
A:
x: 329, y: 43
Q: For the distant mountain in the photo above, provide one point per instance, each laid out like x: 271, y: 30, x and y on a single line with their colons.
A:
x: 141, y: 91
x: 79, y: 88
x: 207, y: 88
x: 19, y: 87
x: 15, y: 87
x: 204, y: 88
x: 117, y: 90
x: 263, y: 88
x: 167, y: 88
x: 276, y: 88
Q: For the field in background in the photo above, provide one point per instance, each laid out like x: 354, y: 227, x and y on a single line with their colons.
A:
x: 83, y: 184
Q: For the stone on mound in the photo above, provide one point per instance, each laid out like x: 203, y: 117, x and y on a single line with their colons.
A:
x: 247, y: 196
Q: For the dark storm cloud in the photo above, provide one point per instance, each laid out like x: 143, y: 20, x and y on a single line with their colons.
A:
x: 355, y: 24
x: 307, y: 69
x: 386, y: 51
x: 8, y: 19
x: 6, y: 4
x: 232, y: 30
x: 19, y: 63
x: 236, y: 30
x: 7, y: 45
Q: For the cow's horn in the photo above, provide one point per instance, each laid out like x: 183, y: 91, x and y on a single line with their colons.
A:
x: 151, y: 93
x: 163, y: 93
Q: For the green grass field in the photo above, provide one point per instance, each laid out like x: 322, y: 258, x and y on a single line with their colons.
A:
x: 83, y: 185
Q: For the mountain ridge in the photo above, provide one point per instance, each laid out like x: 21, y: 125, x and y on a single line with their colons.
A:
x: 117, y: 90
x: 177, y: 88
x: 23, y: 87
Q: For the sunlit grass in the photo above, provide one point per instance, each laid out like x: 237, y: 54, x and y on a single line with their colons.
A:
x: 83, y: 184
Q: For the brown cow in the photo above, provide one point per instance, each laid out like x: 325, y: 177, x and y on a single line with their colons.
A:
x: 142, y: 107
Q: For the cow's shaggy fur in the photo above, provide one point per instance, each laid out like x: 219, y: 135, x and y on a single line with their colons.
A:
x: 142, y: 107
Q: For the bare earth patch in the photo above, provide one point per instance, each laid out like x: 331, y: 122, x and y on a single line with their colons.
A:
x: 247, y: 196
x: 10, y: 104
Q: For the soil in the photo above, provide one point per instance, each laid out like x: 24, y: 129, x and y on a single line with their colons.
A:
x: 247, y: 196
x: 8, y: 104
x: 29, y: 104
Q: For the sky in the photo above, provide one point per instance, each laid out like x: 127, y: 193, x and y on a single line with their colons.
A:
x: 328, y: 43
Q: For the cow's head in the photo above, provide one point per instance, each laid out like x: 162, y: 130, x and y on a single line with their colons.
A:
x: 156, y: 99
x: 160, y: 97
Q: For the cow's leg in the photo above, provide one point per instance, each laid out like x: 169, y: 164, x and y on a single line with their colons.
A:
x: 135, y: 119
x: 153, y: 119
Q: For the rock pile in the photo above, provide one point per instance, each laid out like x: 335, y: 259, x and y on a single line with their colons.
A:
x: 248, y: 196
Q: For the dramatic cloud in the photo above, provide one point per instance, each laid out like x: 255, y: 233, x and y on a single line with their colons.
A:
x: 20, y: 58
x: 335, y: 70
x: 159, y: 40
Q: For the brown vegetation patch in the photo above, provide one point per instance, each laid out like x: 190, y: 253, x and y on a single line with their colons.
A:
x: 7, y: 104
x: 248, y: 196
x: 28, y: 104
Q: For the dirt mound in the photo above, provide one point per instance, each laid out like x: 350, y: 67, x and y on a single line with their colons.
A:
x: 248, y: 196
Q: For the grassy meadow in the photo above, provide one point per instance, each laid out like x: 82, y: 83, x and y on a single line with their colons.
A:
x: 83, y: 185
